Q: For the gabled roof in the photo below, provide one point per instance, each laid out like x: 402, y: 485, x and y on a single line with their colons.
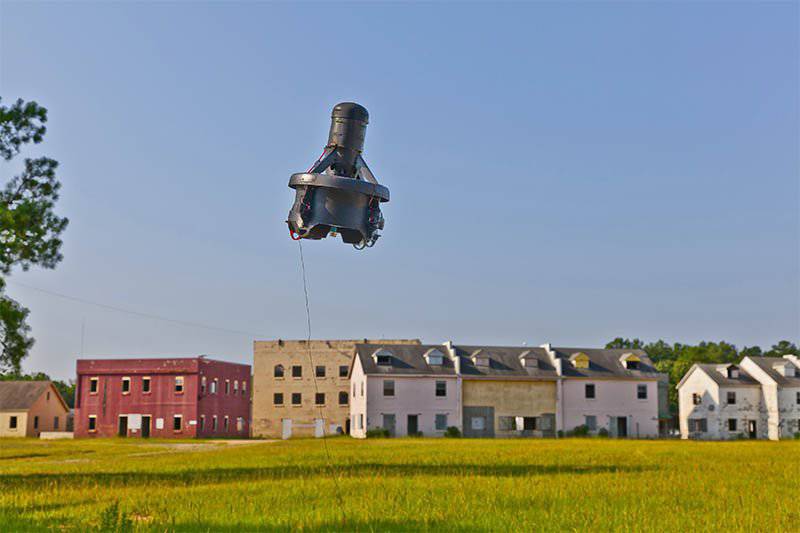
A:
x: 712, y: 371
x: 407, y: 359
x: 606, y: 363
x: 21, y: 395
x: 767, y: 364
x: 504, y: 361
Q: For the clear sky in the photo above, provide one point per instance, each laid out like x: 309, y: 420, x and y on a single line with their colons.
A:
x: 559, y: 172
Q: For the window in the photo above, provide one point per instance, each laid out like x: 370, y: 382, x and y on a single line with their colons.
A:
x: 697, y: 399
x: 731, y: 398
x: 202, y: 422
x: 226, y: 423
x: 227, y: 386
x: 590, y: 421
x: 320, y: 371
x: 145, y: 385
x: 641, y: 392
x: 632, y: 364
x: 244, y: 388
x: 441, y: 388
x: 93, y: 385
x: 354, y: 390
x: 506, y: 423
x: 297, y: 371
x: 35, y: 422
x: 214, y: 423
x: 361, y: 421
x: 731, y: 424
x: 362, y: 388
x: 203, y: 385
x: 698, y: 425
x: 92, y: 423
x: 177, y: 422
x: 240, y: 424
x: 529, y: 423
x: 48, y: 396
x: 343, y: 371
x: 12, y: 422
x: 277, y: 398
x: 384, y: 360
x: 343, y: 398
x: 179, y: 384
x: 798, y: 398
x: 126, y: 385
x: 319, y: 398
x: 441, y: 422
x: 55, y: 422
x: 589, y: 391
x: 214, y: 386
x: 278, y: 371
x: 388, y: 387
x: 235, y: 386
x: 297, y: 398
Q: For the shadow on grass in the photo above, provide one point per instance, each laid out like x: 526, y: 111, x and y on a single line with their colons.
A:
x: 349, y: 525
x: 231, y: 475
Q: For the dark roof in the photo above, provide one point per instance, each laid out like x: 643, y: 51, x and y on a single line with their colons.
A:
x: 504, y: 361
x: 712, y: 370
x: 766, y: 364
x: 606, y: 363
x: 406, y: 359
x: 20, y: 395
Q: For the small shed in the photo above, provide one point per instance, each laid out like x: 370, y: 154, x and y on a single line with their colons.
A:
x: 28, y: 408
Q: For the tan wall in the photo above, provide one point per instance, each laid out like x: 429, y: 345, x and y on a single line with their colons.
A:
x: 267, y: 417
x: 47, y: 407
x: 22, y: 422
x: 510, y: 398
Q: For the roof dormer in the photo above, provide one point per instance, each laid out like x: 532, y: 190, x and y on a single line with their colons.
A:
x: 729, y: 371
x: 785, y: 369
x: 480, y: 358
x: 434, y: 357
x: 528, y: 360
x: 631, y: 361
x: 383, y: 357
x: 579, y: 360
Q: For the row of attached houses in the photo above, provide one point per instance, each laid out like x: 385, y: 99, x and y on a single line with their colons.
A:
x: 759, y: 399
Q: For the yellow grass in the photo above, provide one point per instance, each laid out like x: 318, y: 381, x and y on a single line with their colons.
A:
x: 400, y: 484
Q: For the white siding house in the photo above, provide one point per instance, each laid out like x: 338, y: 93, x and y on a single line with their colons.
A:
x: 780, y: 385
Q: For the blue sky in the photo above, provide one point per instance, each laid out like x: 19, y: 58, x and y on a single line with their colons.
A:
x: 559, y: 172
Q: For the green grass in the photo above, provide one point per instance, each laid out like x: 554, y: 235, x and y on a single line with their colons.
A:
x: 400, y: 484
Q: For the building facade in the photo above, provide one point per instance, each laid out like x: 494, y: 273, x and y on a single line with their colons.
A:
x: 164, y: 398
x: 28, y: 408
x: 612, y: 389
x: 506, y: 391
x: 779, y: 378
x: 302, y: 389
x: 405, y: 389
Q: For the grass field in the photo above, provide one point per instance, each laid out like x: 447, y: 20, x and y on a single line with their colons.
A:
x: 400, y: 484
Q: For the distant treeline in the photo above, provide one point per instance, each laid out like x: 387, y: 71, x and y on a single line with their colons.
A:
x: 676, y: 359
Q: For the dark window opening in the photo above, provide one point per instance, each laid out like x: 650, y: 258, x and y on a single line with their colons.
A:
x: 319, y: 398
x: 278, y: 371
x: 590, y: 392
x: 297, y: 398
x: 343, y: 371
x: 277, y: 398
x: 441, y: 388
x: 297, y: 371
x: 320, y: 371
x: 342, y: 398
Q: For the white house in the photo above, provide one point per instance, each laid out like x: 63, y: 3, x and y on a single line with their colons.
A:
x: 780, y: 387
x: 405, y: 389
x: 721, y: 401
x: 615, y: 389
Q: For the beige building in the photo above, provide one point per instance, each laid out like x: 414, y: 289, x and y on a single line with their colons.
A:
x: 28, y: 408
x: 302, y: 389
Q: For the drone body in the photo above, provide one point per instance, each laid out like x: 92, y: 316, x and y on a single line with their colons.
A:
x: 339, y: 194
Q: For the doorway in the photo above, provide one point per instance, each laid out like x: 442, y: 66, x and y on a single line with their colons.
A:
x: 752, y: 429
x: 286, y: 428
x: 389, y: 424
x: 622, y: 427
x: 413, y: 424
x: 145, y: 426
x: 347, y: 426
x: 122, y: 430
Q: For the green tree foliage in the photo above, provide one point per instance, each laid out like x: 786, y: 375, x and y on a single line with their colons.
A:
x: 29, y: 228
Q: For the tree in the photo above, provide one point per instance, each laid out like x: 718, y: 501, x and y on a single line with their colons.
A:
x: 29, y: 228
x: 783, y: 348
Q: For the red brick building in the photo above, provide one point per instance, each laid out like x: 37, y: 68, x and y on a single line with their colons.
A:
x: 163, y: 398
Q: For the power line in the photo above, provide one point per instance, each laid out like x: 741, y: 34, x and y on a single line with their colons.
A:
x: 136, y: 313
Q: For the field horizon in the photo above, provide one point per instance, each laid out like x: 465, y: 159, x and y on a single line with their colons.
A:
x: 398, y: 485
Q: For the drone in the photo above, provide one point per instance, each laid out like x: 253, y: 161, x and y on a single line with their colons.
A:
x: 339, y: 195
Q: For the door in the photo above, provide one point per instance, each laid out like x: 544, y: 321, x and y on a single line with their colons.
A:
x: 319, y: 429
x: 752, y: 430
x: 145, y: 426
x: 389, y: 424
x: 122, y: 430
x: 622, y: 427
x: 347, y: 426
x: 413, y: 424
x: 286, y: 428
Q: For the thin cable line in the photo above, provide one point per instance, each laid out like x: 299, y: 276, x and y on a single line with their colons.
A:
x: 332, y: 469
x: 135, y: 313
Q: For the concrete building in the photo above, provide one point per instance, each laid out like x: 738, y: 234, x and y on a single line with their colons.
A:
x: 301, y: 389
x: 506, y: 391
x: 612, y: 389
x: 28, y: 408
x: 405, y: 389
x: 165, y: 398
x: 720, y: 401
x: 780, y: 387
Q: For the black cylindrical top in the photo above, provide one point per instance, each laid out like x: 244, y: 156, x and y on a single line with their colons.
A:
x: 348, y: 129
